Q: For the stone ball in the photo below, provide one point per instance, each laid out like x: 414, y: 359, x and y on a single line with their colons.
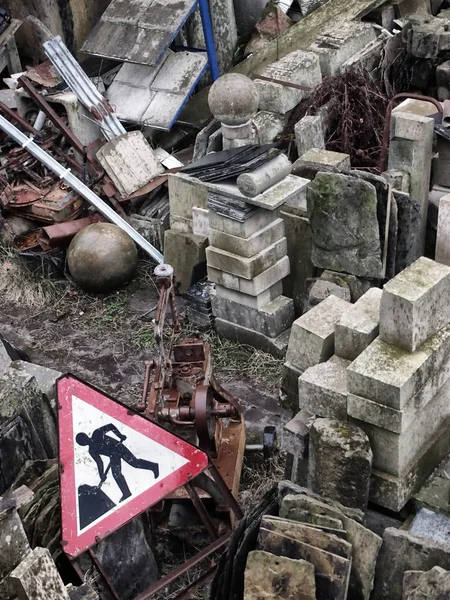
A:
x: 102, y: 258
x: 233, y: 99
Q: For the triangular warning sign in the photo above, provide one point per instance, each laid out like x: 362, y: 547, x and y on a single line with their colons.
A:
x: 114, y: 463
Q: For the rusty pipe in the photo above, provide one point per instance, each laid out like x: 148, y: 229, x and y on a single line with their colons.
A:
x: 387, y: 122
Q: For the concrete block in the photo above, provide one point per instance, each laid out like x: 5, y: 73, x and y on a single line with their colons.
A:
x: 268, y: 126
x: 309, y: 134
x: 275, y: 346
x: 258, y: 220
x: 298, y: 235
x: 312, y: 334
x: 443, y: 231
x: 414, y: 304
x: 200, y: 221
x: 184, y: 251
x: 271, y: 320
x: 391, y: 376
x: 327, y: 158
x: 394, y: 453
x: 338, y: 44
x: 37, y: 578
x: 322, y: 389
x: 184, y: 193
x: 250, y: 246
x: 297, y: 67
x: 255, y: 286
x: 256, y: 302
x: 246, y: 268
x: 359, y: 326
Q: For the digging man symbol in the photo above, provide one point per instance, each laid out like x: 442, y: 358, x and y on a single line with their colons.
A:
x: 101, y: 444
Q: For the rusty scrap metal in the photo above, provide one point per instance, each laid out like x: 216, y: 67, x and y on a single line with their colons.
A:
x: 387, y: 123
x: 12, y: 114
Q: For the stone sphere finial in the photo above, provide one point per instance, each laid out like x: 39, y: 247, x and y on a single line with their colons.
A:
x: 233, y: 99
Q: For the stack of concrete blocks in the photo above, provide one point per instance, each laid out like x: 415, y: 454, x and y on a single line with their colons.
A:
x: 186, y: 241
x: 398, y: 386
x: 248, y: 261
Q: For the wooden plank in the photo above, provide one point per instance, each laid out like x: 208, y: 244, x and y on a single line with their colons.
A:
x: 298, y: 37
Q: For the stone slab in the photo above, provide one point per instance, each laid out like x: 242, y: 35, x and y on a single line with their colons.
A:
x: 260, y: 283
x: 271, y: 320
x: 246, y: 268
x: 312, y: 334
x: 327, y: 158
x: 414, y: 304
x: 442, y: 254
x: 182, y: 224
x: 256, y: 302
x: 276, y: 346
x: 332, y: 572
x: 309, y: 535
x: 394, y: 492
x: 247, y: 247
x: 259, y: 219
x: 298, y: 235
x: 184, y: 193
x: 431, y: 526
x: 14, y: 545
x: 322, y: 389
x: 400, y: 552
x: 37, y: 577
x: 278, y: 577
x: 359, y: 326
x: 391, y: 376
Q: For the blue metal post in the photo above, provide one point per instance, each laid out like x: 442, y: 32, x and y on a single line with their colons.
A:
x: 209, y: 39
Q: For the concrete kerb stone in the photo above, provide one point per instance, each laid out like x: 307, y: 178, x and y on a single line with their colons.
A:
x: 322, y: 389
x: 414, y: 304
x: 359, y: 326
x: 246, y: 268
x: 248, y: 247
x: 271, y: 320
x: 297, y: 67
x: 255, y: 286
x: 312, y: 334
x: 392, y: 376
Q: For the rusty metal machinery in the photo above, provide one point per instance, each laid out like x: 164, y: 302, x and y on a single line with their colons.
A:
x: 183, y: 393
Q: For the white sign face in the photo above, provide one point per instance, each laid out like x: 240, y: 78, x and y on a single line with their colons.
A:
x: 114, y: 458
x: 114, y: 464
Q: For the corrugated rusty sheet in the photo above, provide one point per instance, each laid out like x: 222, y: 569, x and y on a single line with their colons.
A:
x: 138, y: 31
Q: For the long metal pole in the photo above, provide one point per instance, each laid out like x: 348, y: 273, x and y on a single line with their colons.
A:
x: 68, y: 177
x: 209, y: 39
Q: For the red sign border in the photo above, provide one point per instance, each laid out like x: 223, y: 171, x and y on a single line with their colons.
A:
x: 73, y: 543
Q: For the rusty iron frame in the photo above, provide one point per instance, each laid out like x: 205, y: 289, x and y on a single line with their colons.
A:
x: 387, y: 122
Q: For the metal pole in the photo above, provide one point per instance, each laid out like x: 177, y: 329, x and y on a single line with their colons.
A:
x: 67, y: 176
x: 209, y: 39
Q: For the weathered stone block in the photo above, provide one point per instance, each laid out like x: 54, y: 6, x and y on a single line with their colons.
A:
x: 342, y: 212
x: 5, y: 359
x: 331, y: 571
x: 357, y: 286
x: 271, y: 320
x: 443, y: 81
x: 182, y: 224
x: 391, y: 376
x: 14, y: 545
x: 269, y: 126
x: 246, y: 268
x: 295, y: 442
x: 434, y: 584
x: 257, y: 221
x: 365, y: 543
x: 258, y: 181
x: 255, y: 286
x: 400, y: 552
x: 432, y: 526
x: 359, y: 326
x: 278, y: 577
x: 340, y: 462
x: 250, y: 246
x: 338, y: 44
x: 200, y: 221
x: 309, y: 134
x: 184, y: 251
x: 232, y: 331
x: 45, y: 377
x: 37, y: 578
x: 327, y: 158
x: 312, y: 334
x: 297, y: 67
x: 321, y: 289
x: 411, y: 308
x: 257, y: 302
x: 408, y: 232
x: 443, y: 231
x: 184, y: 193
x: 322, y: 389
x: 298, y: 235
